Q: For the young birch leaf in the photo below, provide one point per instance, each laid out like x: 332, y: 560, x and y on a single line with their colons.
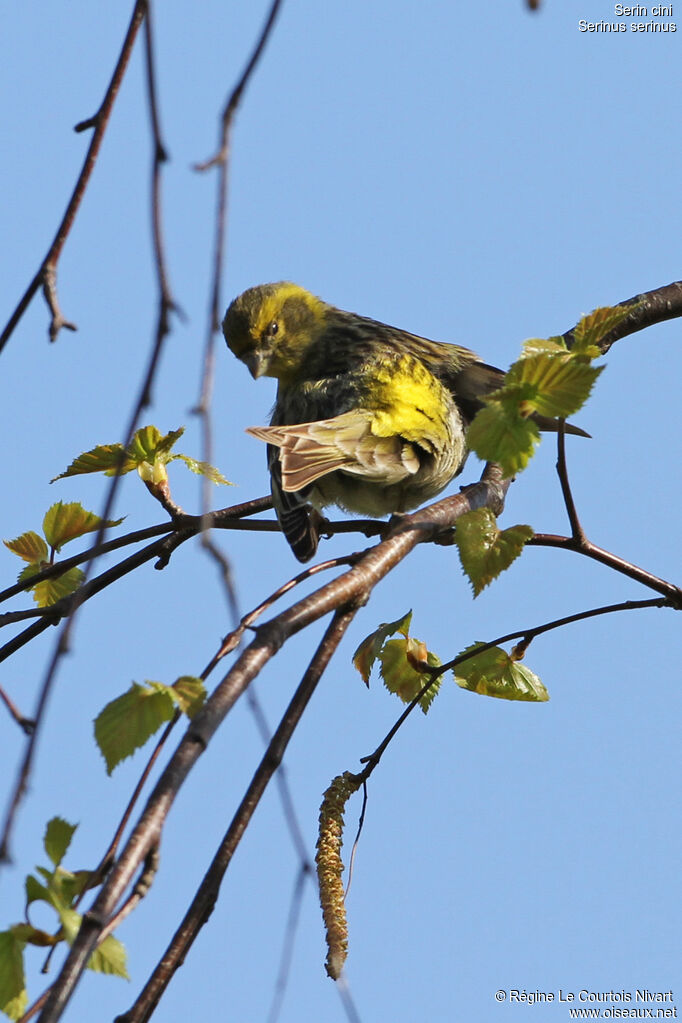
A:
x: 35, y: 891
x: 110, y: 958
x: 110, y: 459
x: 556, y: 386
x: 58, y: 835
x: 596, y: 325
x: 538, y: 345
x: 72, y: 884
x: 126, y: 723
x: 202, y: 469
x: 29, y: 546
x: 70, y: 921
x: 64, y: 522
x: 399, y: 670
x: 164, y: 442
x: 189, y: 694
x: 494, y: 672
x: 33, y: 935
x: 499, y: 433
x: 484, y: 550
x: 49, y: 591
x: 142, y: 447
x: 13, y: 996
x: 366, y: 654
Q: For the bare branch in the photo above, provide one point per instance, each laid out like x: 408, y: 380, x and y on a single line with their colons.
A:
x: 590, y: 550
x: 47, y: 273
x: 562, y: 471
x: 657, y: 306
x: 234, y: 100
x: 26, y: 724
x: 203, y: 409
x: 234, y: 638
x: 288, y: 943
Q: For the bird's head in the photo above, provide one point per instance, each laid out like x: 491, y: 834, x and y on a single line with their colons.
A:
x: 271, y: 326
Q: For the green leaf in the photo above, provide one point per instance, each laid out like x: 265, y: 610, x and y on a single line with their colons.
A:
x: 49, y: 591
x: 150, y: 445
x: 58, y: 835
x: 71, y: 884
x: 484, y: 550
x: 555, y: 386
x: 64, y: 522
x: 71, y: 922
x: 163, y: 444
x: 33, y: 935
x: 110, y: 459
x: 494, y: 672
x: 13, y: 996
x: 35, y: 891
x: 110, y: 958
x: 366, y: 654
x: 500, y: 434
x: 596, y: 325
x: 203, y: 469
x: 400, y: 659
x: 537, y: 345
x: 126, y: 723
x: 143, y: 445
x: 150, y: 451
x: 29, y: 546
x: 189, y: 694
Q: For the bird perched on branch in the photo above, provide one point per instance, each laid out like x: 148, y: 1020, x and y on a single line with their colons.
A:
x: 368, y: 417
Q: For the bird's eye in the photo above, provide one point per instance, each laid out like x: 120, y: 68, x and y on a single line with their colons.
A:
x: 271, y: 328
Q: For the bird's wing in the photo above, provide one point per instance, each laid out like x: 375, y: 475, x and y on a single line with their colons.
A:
x: 300, y: 522
x: 308, y: 451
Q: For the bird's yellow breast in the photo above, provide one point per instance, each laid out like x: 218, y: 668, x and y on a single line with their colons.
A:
x: 409, y: 402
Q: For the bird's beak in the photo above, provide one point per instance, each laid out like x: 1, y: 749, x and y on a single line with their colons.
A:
x: 255, y: 362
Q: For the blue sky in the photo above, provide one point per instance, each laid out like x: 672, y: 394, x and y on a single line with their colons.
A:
x: 474, y: 174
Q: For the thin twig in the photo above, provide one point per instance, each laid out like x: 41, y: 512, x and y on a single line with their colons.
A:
x: 105, y: 862
x: 234, y: 100
x: 47, y: 272
x: 562, y: 471
x: 142, y: 886
x: 26, y: 724
x: 290, y: 930
x: 353, y: 851
x: 234, y: 638
x: 618, y: 564
x: 203, y: 409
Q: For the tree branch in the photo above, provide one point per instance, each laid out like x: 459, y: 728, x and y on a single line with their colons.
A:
x: 590, y: 550
x: 47, y: 273
x: 656, y: 306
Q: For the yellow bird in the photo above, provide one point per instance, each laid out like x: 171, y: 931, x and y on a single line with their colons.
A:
x: 368, y: 417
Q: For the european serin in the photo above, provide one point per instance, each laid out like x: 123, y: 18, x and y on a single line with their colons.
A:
x: 367, y: 416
